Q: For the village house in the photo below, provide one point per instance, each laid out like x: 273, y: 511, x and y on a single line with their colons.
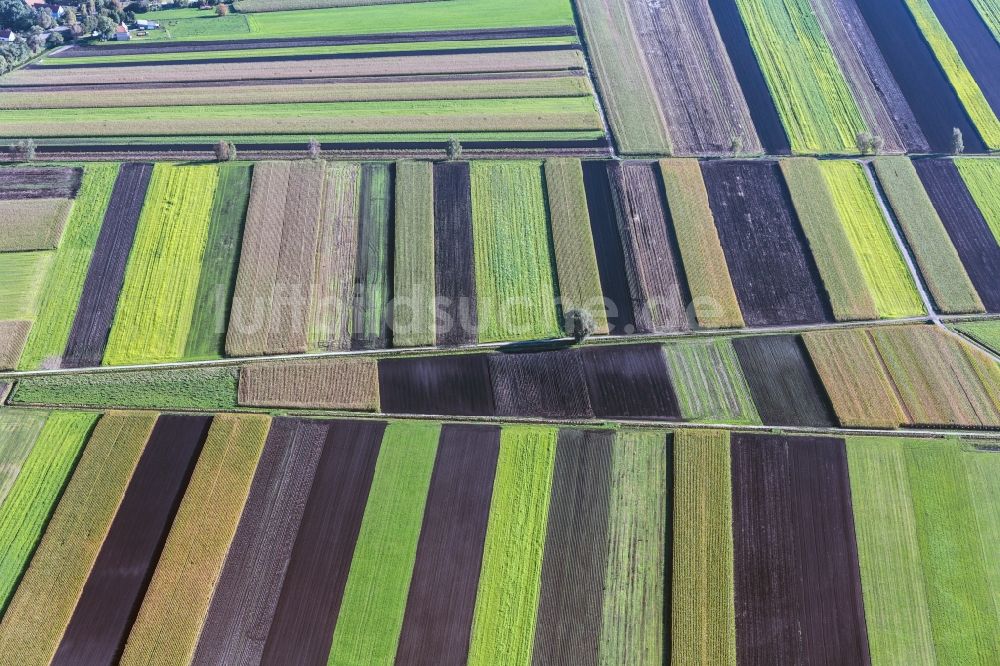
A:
x: 122, y: 34
x: 7, y: 35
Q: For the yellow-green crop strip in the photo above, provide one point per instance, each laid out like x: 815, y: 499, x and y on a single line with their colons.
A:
x: 22, y: 275
x: 982, y: 177
x: 157, y: 301
x: 889, y: 280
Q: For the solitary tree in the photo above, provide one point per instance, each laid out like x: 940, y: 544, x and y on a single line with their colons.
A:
x: 225, y: 151
x: 579, y: 325
x: 454, y: 149
x: 314, y: 149
x: 221, y: 10
x: 24, y: 150
x: 877, y: 144
x: 863, y: 140
x: 957, y: 142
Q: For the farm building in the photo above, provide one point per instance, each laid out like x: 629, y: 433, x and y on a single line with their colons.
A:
x: 122, y: 34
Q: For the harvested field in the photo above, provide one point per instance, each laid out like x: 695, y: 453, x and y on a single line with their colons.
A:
x: 608, y: 243
x: 709, y: 382
x: 168, y: 623
x: 981, y: 176
x: 983, y: 57
x: 22, y: 275
x: 829, y: 243
x: 748, y: 71
x: 542, y: 384
x: 974, y: 241
x: 158, y: 296
x: 12, y: 337
x: 33, y: 224
x: 575, y: 561
x: 926, y: 236
x: 454, y: 261
x: 880, y: 101
x: 504, y: 622
x: 21, y: 183
x: 120, y: 575
x: 374, y: 599
x: 919, y: 75
x: 629, y: 382
x: 320, y: 560
x: 623, y: 76
x: 885, y: 272
x: 41, y: 609
x: 957, y: 566
x: 27, y: 503
x: 797, y: 577
x: 373, y: 282
x: 248, y: 588
x: 708, y: 280
x: 515, y: 281
x: 808, y: 88
x: 445, y: 385
x: 64, y: 286
x: 938, y: 384
x: 501, y: 85
x: 185, y: 388
x: 207, y: 336
x: 439, y: 610
x: 656, y: 282
x: 636, y: 604
x: 690, y: 72
x: 898, y: 618
x: 106, y: 274
x: 413, y: 303
x: 852, y: 371
x: 330, y: 312
x: 573, y: 241
x: 348, y: 384
x: 315, y: 68
x: 273, y: 286
x: 783, y: 382
x: 775, y: 278
x: 703, y: 627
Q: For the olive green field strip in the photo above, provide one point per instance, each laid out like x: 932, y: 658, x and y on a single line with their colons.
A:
x: 555, y: 544
x: 33, y: 224
x: 373, y: 274
x: 13, y: 335
x: 414, y: 307
x: 986, y: 333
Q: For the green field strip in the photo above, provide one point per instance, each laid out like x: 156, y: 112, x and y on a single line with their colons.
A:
x: 207, y: 336
x: 22, y: 276
x: 157, y: 300
x: 990, y: 11
x: 46, y: 598
x: 414, y: 306
x: 176, y: 603
x: 205, y: 388
x: 371, y: 612
x: 892, y: 577
x: 26, y: 510
x: 64, y: 284
x: 374, y: 263
x: 259, y: 6
x: 515, y: 285
x: 986, y: 333
x: 932, y: 248
x: 885, y: 272
x: 634, y: 614
x: 958, y: 74
x: 981, y: 177
x: 703, y: 618
x: 573, y: 241
x: 333, y: 287
x: 983, y: 472
x: 402, y: 47
x: 633, y: 111
x: 860, y: 390
x: 709, y: 382
x: 964, y: 620
x: 18, y: 432
x: 712, y: 293
x: 838, y: 265
x: 503, y: 627
x: 810, y: 92
x: 416, y: 116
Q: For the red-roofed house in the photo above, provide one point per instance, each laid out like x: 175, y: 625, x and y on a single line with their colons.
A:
x: 122, y: 34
